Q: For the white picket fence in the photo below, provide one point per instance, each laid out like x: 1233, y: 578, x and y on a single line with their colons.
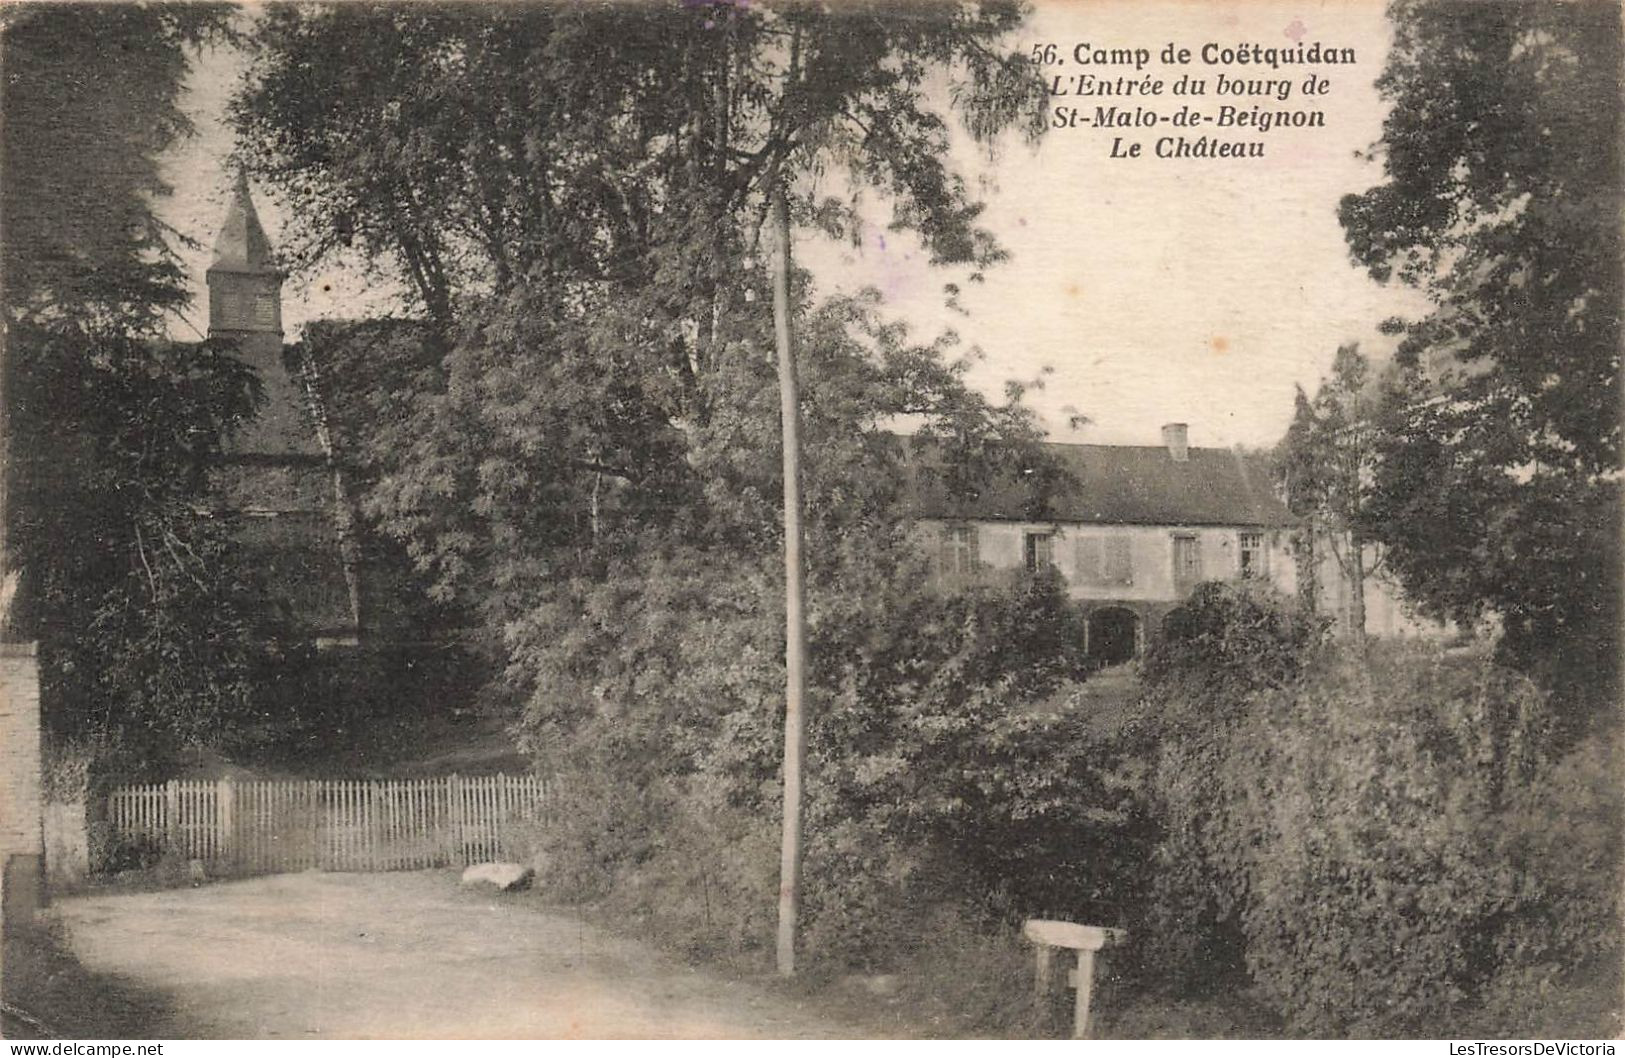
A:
x: 334, y: 825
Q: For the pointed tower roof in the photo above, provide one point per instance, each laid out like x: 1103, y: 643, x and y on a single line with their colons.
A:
x: 242, y: 245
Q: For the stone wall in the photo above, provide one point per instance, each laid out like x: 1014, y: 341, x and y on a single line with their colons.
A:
x: 22, y: 884
x: 67, y: 845
x: 21, y: 834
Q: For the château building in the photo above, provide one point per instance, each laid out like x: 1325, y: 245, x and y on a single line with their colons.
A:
x: 1133, y: 529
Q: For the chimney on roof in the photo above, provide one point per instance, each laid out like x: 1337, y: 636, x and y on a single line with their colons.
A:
x: 1173, y: 437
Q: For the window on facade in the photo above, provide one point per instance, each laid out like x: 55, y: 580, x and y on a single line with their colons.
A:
x: 959, y: 549
x: 1251, y: 557
x: 264, y: 308
x: 1119, y: 561
x: 1040, y: 550
x: 1105, y: 560
x: 1187, y: 559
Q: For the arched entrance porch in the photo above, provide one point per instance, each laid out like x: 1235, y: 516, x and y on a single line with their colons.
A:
x: 1113, y: 635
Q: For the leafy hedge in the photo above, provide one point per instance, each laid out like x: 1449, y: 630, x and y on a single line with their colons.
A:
x: 1225, y: 645
x: 1386, y: 847
x: 940, y: 770
x: 1369, y: 844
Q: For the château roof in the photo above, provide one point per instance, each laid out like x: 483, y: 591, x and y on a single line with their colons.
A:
x: 242, y: 245
x: 1128, y: 485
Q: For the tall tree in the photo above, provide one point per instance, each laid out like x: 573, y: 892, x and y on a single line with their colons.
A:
x: 574, y: 196
x: 109, y: 429
x: 1495, y: 485
x: 83, y: 137
x: 565, y: 141
x: 1325, y: 465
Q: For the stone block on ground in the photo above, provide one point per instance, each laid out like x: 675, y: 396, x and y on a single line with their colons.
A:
x: 503, y: 876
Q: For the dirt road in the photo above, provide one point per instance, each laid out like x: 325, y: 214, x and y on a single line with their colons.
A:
x: 404, y: 956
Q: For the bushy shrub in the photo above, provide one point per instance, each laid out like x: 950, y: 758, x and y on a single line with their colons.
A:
x: 940, y: 771
x: 999, y: 815
x: 945, y: 770
x: 1376, y: 884
x: 1225, y: 642
x: 113, y: 852
x: 1385, y: 845
x: 1551, y: 940
x: 597, y: 829
x: 709, y: 884
x: 1219, y: 650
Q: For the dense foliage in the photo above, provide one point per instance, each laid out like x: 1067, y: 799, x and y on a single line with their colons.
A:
x: 943, y: 773
x: 578, y: 444
x: 141, y: 614
x: 1402, y: 863
x: 1371, y: 840
x: 575, y: 208
x: 565, y: 145
x: 1494, y: 484
x: 134, y: 598
x: 82, y: 141
x: 1220, y: 649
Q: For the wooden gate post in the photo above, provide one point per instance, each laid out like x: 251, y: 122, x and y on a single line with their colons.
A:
x: 454, y: 817
x: 225, y: 799
x: 172, y: 816
x: 1083, y: 983
x: 313, y: 824
x: 1042, y: 983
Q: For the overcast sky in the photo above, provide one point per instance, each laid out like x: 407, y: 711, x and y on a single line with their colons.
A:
x: 1157, y: 290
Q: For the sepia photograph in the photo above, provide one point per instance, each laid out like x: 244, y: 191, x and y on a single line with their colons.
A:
x: 811, y: 520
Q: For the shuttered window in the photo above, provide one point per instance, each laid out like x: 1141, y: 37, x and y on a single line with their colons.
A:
x: 1091, y: 560
x: 1105, y: 560
x: 959, y: 552
x: 1119, y: 561
x: 1040, y: 550
x: 1187, y: 560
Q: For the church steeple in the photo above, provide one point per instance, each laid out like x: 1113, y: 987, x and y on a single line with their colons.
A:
x: 275, y: 481
x: 245, y: 287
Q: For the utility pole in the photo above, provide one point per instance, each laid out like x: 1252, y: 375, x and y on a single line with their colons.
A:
x: 795, y: 591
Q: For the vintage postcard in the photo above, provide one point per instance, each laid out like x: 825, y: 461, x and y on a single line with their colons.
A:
x: 759, y: 519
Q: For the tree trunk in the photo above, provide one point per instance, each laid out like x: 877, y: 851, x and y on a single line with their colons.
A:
x: 1308, y: 560
x: 1356, y: 571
